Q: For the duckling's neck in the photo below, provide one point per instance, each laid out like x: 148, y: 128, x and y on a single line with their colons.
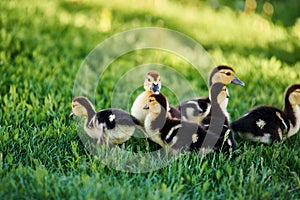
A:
x: 223, y: 106
x: 293, y: 113
x: 155, y: 121
x: 90, y: 113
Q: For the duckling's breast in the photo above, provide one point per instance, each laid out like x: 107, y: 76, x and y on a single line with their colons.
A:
x: 137, y: 107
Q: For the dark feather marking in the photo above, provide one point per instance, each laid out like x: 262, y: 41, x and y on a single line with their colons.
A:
x: 170, y: 123
x: 121, y: 118
x: 103, y: 117
x: 174, y: 112
x: 183, y: 133
x: 159, y: 122
x: 266, y: 113
x: 161, y: 99
x: 124, y: 118
x: 153, y: 74
x: 202, y: 103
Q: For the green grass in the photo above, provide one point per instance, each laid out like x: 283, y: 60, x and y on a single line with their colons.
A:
x: 42, y: 47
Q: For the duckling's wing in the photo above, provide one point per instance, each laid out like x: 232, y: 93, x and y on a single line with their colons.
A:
x: 226, y: 140
x: 262, y: 120
x: 124, y: 118
x: 106, y: 117
x: 170, y: 129
x: 175, y: 112
x: 181, y: 134
x: 193, y: 108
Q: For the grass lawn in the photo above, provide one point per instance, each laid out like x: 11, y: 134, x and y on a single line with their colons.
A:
x: 44, y: 43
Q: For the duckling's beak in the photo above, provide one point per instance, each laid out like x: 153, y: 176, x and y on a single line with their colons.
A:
x: 237, y: 81
x: 146, y: 107
x: 155, y: 88
x: 71, y: 115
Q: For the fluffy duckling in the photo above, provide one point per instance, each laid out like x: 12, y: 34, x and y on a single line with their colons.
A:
x: 219, y: 117
x: 185, y: 135
x: 112, y: 125
x: 152, y: 85
x: 267, y: 123
x: 197, y: 109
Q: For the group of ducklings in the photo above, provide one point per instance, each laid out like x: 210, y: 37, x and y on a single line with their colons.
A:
x: 195, y: 124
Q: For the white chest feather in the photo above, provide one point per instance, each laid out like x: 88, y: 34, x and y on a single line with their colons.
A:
x: 224, y: 108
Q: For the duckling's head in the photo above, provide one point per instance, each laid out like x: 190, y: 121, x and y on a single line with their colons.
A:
x: 293, y: 94
x: 157, y: 103
x: 224, y: 74
x: 81, y: 106
x: 152, y: 82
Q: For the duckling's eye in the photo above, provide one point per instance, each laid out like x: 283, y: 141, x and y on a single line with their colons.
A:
x: 150, y: 100
x: 228, y: 73
x: 73, y: 106
x: 149, y: 79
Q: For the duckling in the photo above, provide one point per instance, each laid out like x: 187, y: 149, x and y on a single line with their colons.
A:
x: 152, y: 85
x: 197, y: 109
x: 112, y: 125
x: 186, y: 135
x: 219, y: 117
x: 268, y: 124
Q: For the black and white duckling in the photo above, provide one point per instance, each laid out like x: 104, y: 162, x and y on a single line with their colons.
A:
x: 219, y: 117
x: 268, y: 124
x: 152, y: 85
x: 113, y: 126
x: 197, y: 109
x: 186, y: 135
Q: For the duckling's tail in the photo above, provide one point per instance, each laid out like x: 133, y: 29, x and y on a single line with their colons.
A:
x: 241, y: 125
